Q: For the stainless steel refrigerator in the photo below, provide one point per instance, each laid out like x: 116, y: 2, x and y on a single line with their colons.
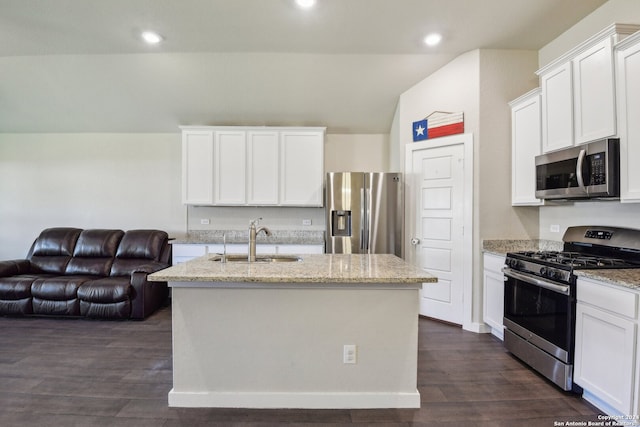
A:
x: 364, y: 213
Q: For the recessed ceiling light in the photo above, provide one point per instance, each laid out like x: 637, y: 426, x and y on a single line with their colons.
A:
x: 306, y: 4
x: 151, y: 37
x: 433, y: 39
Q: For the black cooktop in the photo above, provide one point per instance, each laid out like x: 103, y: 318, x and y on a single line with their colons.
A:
x: 574, y: 260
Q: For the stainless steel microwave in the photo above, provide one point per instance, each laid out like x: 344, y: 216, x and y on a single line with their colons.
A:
x: 582, y: 172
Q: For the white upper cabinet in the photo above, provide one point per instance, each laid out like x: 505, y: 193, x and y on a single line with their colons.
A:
x: 245, y: 166
x: 594, y: 88
x: 263, y: 166
x: 557, y: 108
x: 197, y: 167
x: 628, y: 96
x: 525, y: 145
x: 229, y: 167
x: 302, y: 170
x: 578, y: 92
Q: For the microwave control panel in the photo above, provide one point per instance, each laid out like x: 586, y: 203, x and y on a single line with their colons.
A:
x: 597, y: 168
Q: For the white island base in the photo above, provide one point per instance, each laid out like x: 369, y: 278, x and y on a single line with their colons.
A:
x: 281, y: 345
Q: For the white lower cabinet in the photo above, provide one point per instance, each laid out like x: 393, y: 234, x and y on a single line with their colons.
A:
x: 606, y: 346
x: 182, y: 252
x: 494, y: 293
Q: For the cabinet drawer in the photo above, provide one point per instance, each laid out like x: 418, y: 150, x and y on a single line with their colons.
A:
x: 619, y: 301
x: 188, y: 250
x: 494, y: 262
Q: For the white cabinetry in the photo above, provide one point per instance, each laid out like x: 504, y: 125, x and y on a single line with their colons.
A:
x: 494, y: 293
x: 578, y: 92
x: 605, y: 355
x: 197, y: 167
x: 628, y: 96
x: 525, y: 145
x: 263, y: 166
x: 229, y: 167
x: 557, y: 108
x: 594, y: 88
x: 239, y: 166
x: 301, y: 183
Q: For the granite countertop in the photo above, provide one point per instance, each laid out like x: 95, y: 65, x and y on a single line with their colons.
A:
x: 501, y: 247
x: 327, y: 268
x: 625, y: 277
x: 282, y: 237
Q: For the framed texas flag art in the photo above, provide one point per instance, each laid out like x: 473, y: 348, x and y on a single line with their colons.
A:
x: 438, y: 123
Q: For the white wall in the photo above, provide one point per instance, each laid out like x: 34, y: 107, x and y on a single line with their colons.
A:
x: 613, y: 11
x: 589, y: 213
x: 121, y: 181
x: 131, y: 181
x: 361, y: 152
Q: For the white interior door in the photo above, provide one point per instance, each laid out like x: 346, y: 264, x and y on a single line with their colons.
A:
x: 439, y: 229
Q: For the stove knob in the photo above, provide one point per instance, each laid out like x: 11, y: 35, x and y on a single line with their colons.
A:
x: 553, y: 274
x: 514, y: 263
x: 543, y: 271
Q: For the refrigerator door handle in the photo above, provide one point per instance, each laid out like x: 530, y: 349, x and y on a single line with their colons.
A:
x: 363, y: 224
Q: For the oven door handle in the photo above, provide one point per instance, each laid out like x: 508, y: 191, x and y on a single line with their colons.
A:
x: 561, y: 289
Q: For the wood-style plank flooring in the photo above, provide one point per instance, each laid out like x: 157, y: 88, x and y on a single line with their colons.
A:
x: 75, y: 372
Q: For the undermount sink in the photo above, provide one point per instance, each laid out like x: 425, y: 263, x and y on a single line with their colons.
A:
x: 259, y: 258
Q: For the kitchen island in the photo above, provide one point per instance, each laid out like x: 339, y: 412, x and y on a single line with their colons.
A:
x: 329, y: 331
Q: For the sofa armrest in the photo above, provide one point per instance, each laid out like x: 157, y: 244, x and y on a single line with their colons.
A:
x: 150, y: 267
x: 148, y: 296
x: 14, y: 267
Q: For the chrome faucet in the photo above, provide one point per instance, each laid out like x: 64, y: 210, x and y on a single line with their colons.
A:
x: 253, y: 232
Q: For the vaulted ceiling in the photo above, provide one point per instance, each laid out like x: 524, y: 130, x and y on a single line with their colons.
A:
x: 80, y: 66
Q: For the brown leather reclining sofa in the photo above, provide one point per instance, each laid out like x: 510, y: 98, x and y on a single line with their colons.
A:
x: 91, y: 273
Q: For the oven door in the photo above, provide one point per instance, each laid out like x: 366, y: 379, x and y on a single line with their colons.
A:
x: 541, y: 312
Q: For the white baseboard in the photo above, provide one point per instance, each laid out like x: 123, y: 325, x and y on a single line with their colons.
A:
x: 292, y: 400
x: 477, y: 327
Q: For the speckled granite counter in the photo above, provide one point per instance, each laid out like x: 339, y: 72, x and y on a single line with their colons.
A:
x: 283, y: 237
x: 319, y: 269
x: 501, y: 247
x: 627, y: 277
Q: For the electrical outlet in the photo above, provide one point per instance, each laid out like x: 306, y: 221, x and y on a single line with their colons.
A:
x: 205, y: 221
x: 555, y: 228
x: 349, y: 354
x: 306, y: 222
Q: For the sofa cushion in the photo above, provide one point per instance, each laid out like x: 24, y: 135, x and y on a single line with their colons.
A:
x: 59, y: 288
x: 56, y: 308
x: 143, y: 244
x: 117, y: 310
x: 94, y: 252
x: 107, y: 290
x: 53, y: 249
x: 18, y: 306
x: 16, y: 287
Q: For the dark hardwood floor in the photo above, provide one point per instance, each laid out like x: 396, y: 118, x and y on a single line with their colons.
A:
x: 74, y: 372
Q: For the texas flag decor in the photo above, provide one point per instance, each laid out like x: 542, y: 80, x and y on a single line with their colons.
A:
x: 438, y: 123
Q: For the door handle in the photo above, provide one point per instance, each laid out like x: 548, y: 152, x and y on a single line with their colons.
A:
x: 415, y: 241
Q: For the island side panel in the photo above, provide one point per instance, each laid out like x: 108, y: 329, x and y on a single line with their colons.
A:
x: 259, y: 348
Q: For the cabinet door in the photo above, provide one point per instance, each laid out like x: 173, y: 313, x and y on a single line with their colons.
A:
x: 628, y: 91
x: 494, y: 293
x: 557, y: 108
x: 302, y: 168
x: 230, y: 167
x: 262, y: 167
x: 197, y: 167
x: 605, y: 354
x: 525, y: 146
x: 593, y: 91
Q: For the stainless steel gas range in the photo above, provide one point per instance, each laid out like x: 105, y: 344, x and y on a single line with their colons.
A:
x: 540, y: 295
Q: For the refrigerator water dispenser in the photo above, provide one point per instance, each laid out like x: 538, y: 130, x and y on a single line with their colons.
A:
x: 341, y: 223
